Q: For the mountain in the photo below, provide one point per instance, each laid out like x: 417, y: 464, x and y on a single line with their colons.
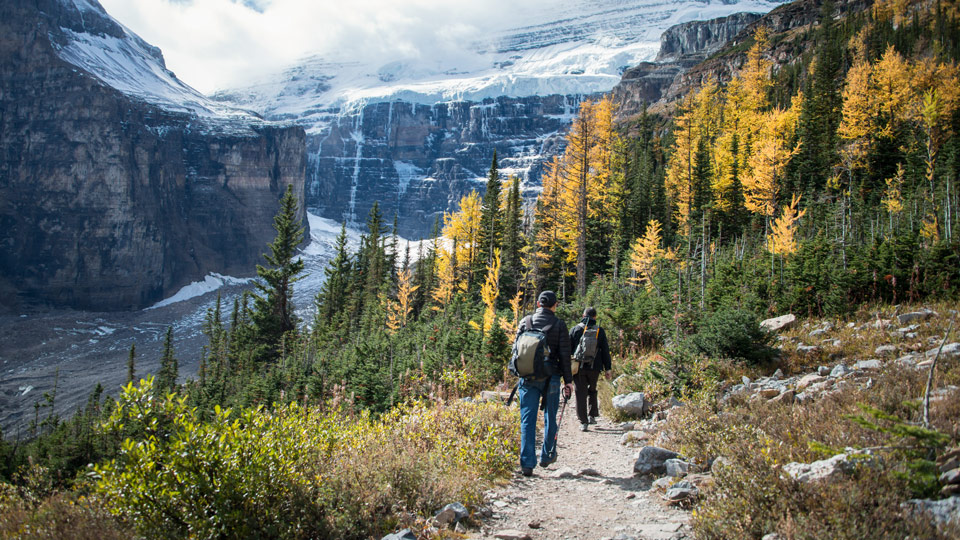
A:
x: 418, y: 135
x: 119, y: 183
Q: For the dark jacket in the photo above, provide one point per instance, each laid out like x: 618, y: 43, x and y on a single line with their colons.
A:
x: 559, y: 362
x: 603, y: 348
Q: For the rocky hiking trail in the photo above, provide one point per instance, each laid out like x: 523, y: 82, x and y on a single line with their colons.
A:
x: 590, y: 492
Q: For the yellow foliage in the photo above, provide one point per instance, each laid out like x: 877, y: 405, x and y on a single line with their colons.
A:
x: 781, y: 240
x: 510, y: 328
x: 893, y: 198
x: 490, y: 291
x: 647, y: 255
x: 771, y: 155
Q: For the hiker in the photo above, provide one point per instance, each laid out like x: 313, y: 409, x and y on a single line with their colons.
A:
x: 589, y: 343
x: 531, y: 391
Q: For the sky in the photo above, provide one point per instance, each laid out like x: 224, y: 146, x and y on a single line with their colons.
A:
x: 216, y: 44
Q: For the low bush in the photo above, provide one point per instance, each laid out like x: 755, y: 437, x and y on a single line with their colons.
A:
x: 296, y: 472
x: 734, y: 334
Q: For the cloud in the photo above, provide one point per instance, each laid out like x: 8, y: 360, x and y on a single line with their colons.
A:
x: 212, y: 44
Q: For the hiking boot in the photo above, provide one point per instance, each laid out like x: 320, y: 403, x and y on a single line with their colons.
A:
x: 584, y: 427
x: 526, y: 471
x: 593, y: 419
x: 545, y: 462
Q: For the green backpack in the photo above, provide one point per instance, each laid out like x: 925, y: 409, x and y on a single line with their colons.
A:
x: 530, y: 351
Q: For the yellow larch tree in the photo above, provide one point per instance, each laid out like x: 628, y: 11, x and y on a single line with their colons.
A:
x: 773, y: 151
x: 510, y: 327
x: 462, y: 230
x: 647, y: 255
x: 490, y: 291
x: 399, y: 310
x: 782, y: 239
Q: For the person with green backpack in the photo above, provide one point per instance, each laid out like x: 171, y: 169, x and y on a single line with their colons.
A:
x: 541, y: 358
x: 591, y: 355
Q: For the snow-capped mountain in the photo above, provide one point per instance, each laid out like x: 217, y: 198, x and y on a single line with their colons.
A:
x: 416, y: 134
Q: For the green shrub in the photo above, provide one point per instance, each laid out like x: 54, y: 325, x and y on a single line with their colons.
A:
x: 734, y: 334
x: 296, y: 472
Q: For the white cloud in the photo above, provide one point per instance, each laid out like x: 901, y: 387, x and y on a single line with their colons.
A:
x: 213, y: 44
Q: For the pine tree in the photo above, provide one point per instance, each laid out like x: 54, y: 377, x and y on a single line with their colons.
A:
x: 169, y: 369
x: 331, y: 301
x: 512, y: 238
x: 491, y: 216
x: 273, y: 315
x: 131, y: 363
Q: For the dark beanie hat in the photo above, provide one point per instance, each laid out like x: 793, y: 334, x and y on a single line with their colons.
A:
x: 590, y: 313
x: 547, y: 298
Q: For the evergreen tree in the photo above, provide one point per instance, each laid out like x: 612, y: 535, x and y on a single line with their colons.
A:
x: 331, y: 301
x: 512, y: 239
x: 131, y: 363
x: 273, y: 315
x: 166, y: 380
x: 491, y: 233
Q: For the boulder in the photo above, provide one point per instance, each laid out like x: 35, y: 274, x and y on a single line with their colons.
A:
x: 807, y: 380
x: 942, y: 511
x: 950, y: 350
x: 885, y: 350
x: 663, y: 484
x: 631, y: 437
x: 825, y: 468
x: 867, y: 364
x: 922, y: 315
x: 676, y: 467
x: 632, y: 403
x: 839, y: 370
x: 651, y: 460
x: 776, y: 324
x: 681, y: 492
x: 451, y: 514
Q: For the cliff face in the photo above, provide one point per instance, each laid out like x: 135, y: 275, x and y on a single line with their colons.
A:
x: 693, y: 52
x: 109, y: 201
x: 418, y: 160
x: 682, y: 47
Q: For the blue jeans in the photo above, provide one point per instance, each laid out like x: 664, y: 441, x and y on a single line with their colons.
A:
x: 529, y: 394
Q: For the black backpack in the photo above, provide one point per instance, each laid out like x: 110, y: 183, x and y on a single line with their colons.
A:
x: 586, y: 351
x: 530, y: 351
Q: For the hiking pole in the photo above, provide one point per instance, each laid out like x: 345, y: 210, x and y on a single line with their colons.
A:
x: 566, y: 399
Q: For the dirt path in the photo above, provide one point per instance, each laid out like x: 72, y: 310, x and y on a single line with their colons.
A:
x: 564, y: 501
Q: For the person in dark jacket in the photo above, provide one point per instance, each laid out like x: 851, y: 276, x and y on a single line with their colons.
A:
x: 586, y: 378
x: 530, y: 391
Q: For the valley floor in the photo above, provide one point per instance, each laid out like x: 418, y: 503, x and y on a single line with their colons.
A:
x: 569, y: 501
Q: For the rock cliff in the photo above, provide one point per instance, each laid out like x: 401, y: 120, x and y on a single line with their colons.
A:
x: 112, y: 198
x: 418, y: 160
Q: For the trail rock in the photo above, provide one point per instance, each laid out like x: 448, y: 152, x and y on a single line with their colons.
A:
x: 680, y: 492
x: 451, y: 513
x: 676, y: 467
x: 405, y: 534
x: 776, y: 324
x: 632, y: 403
x: 823, y: 371
x: 631, y: 437
x: 651, y: 460
x: 565, y: 472
x: 589, y: 472
x: 511, y: 534
x: 663, y: 484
